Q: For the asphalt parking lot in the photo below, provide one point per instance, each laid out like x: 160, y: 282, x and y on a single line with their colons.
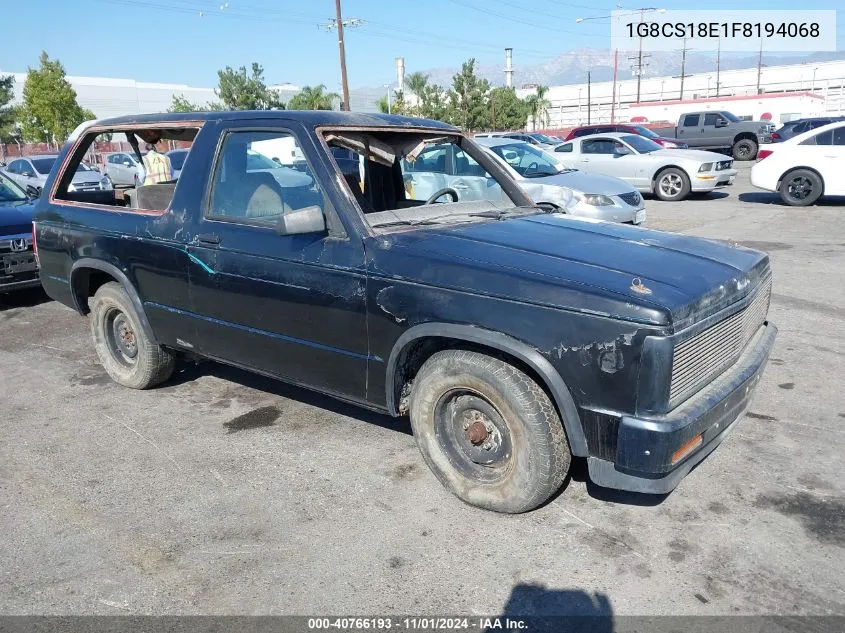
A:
x: 226, y: 493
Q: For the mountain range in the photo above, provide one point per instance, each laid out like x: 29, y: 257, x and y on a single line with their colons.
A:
x: 572, y: 67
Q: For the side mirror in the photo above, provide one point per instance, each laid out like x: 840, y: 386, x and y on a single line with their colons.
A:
x: 33, y: 192
x: 126, y: 163
x: 28, y: 173
x: 721, y: 123
x: 307, y: 220
x: 619, y: 152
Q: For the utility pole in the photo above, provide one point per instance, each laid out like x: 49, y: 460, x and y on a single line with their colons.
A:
x: 339, y: 23
x: 613, y: 98
x: 589, y: 104
x: 640, y: 56
x: 342, y: 56
x: 718, y: 62
x: 683, y: 66
x: 759, y: 65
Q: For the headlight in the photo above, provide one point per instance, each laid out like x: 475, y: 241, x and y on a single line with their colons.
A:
x: 596, y: 199
x: 670, y: 145
x: 105, y: 184
x: 71, y: 187
x: 705, y: 167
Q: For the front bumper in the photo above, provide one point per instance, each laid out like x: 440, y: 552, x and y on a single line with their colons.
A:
x: 645, y: 446
x: 620, y: 211
x: 713, y: 180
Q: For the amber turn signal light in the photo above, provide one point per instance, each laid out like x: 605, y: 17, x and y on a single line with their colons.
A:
x: 686, y: 449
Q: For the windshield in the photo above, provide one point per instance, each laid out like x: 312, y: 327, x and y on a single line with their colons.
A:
x: 256, y: 161
x: 548, y: 140
x: 731, y: 117
x: 10, y: 191
x: 527, y: 160
x: 44, y: 165
x: 644, y: 131
x: 641, y: 144
x: 402, y: 179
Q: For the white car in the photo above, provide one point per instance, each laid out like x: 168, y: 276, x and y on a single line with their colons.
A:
x: 548, y: 181
x: 670, y: 174
x: 804, y: 167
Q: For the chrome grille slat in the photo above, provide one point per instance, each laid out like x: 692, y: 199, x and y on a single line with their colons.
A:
x: 698, y: 359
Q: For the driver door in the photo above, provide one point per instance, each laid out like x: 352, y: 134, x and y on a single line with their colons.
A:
x: 599, y: 157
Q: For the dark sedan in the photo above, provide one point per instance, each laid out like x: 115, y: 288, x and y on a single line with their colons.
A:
x: 799, y: 126
x: 18, y: 268
x: 663, y: 141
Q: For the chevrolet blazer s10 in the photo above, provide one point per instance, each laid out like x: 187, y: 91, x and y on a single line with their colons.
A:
x: 514, y: 336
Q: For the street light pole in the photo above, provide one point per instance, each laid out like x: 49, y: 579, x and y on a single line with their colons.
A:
x: 589, y: 103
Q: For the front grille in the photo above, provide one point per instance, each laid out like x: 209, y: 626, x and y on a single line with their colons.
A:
x: 697, y: 360
x: 632, y: 198
x: 723, y: 165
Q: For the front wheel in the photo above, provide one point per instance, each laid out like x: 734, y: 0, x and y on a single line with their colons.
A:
x: 129, y: 357
x: 490, y: 434
x: 800, y: 187
x: 672, y: 184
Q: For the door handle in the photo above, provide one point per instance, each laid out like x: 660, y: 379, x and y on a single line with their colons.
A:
x: 208, y: 238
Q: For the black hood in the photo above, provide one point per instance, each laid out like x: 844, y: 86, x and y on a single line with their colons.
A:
x: 607, y: 269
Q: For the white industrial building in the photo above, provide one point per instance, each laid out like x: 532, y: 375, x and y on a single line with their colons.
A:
x: 785, y: 92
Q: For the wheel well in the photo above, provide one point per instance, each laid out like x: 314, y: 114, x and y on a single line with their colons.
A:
x: 745, y: 135
x: 791, y: 169
x: 86, y: 281
x: 414, y: 355
x: 664, y: 168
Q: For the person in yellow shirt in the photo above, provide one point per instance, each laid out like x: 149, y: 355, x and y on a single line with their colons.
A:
x: 157, y: 166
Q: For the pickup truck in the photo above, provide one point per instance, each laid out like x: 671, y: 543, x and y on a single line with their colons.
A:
x: 721, y: 130
x: 513, y: 335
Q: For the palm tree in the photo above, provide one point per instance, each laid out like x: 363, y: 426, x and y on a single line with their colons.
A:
x: 417, y: 84
x: 538, y: 106
x: 315, y: 98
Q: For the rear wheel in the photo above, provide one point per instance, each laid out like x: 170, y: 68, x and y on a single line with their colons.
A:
x: 672, y: 184
x: 490, y: 434
x: 801, y: 187
x: 745, y: 149
x: 127, y: 354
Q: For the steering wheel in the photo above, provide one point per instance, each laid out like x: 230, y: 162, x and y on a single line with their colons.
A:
x: 532, y: 167
x: 442, y: 192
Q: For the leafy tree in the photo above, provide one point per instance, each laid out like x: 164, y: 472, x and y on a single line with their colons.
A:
x: 469, y: 98
x: 313, y: 98
x: 239, y: 90
x: 538, y: 107
x: 507, y: 111
x: 7, y: 112
x: 49, y: 111
x: 383, y: 106
x: 180, y: 104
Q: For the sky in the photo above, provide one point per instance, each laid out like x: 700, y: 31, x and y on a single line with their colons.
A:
x: 187, y: 41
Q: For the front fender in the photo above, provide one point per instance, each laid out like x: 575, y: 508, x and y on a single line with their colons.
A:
x: 504, y: 343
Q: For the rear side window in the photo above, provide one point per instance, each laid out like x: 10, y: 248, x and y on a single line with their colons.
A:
x: 143, y: 188
x: 249, y: 187
x: 839, y: 136
x: 566, y: 147
x: 691, y: 120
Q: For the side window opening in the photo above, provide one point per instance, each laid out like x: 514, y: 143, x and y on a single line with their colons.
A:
x: 250, y: 186
x: 124, y: 169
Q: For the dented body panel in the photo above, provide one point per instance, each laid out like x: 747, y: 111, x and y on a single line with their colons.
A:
x: 592, y: 309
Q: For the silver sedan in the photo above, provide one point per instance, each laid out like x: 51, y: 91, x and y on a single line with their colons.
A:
x: 578, y: 193
x: 34, y: 170
x: 670, y: 174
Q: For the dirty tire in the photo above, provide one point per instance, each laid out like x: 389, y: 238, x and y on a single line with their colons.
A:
x: 745, y: 149
x: 671, y: 184
x: 530, y: 454
x: 800, y: 187
x: 127, y: 355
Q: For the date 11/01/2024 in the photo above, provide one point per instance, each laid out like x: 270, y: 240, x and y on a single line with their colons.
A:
x: 417, y: 624
x: 716, y: 30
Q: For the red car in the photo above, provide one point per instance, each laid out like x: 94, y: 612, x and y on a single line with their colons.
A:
x: 585, y: 130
